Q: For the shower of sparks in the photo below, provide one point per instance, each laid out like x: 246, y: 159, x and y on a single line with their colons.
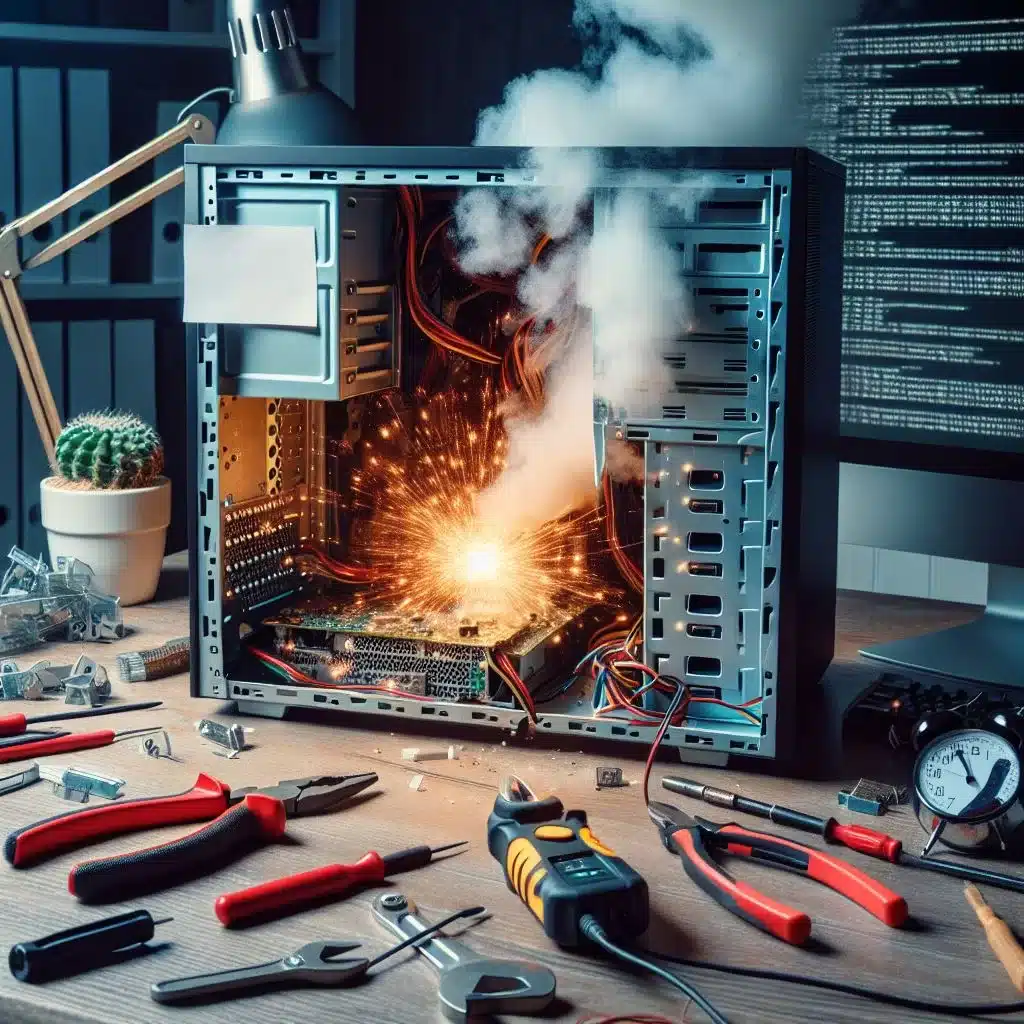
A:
x: 421, y: 473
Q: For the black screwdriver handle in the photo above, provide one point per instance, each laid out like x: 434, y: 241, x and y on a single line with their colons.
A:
x: 248, y: 825
x: 78, y: 949
x: 733, y: 801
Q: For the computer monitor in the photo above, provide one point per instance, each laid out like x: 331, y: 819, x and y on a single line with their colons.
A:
x: 925, y: 108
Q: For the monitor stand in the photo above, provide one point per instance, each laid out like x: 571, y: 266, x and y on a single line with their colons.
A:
x: 988, y: 651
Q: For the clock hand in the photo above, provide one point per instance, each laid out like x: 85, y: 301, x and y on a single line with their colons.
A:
x: 986, y: 795
x: 970, y: 775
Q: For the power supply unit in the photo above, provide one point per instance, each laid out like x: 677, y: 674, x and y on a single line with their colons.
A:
x: 335, y: 458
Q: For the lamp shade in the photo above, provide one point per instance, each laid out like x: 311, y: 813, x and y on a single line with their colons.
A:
x: 275, y: 103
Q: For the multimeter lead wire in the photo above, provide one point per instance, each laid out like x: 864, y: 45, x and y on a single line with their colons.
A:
x: 593, y: 931
x: 887, y: 998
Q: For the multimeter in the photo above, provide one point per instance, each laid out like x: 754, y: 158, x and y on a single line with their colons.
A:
x: 561, y: 870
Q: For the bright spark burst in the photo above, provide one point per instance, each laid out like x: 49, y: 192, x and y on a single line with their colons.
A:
x: 429, y: 548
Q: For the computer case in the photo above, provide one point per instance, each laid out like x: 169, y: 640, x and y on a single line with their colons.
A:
x: 737, y: 512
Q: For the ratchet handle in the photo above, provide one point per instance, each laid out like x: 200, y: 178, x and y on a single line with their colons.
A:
x: 283, y: 895
x: 205, y: 800
x: 255, y: 821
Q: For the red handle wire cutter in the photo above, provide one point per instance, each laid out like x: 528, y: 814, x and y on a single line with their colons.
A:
x: 239, y: 820
x: 695, y: 839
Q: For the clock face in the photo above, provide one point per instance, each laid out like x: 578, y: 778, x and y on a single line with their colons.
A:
x: 968, y: 774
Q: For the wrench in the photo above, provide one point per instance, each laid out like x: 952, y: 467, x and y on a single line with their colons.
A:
x: 471, y: 986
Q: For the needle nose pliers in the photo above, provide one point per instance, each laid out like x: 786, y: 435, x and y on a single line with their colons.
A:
x: 695, y: 840
x: 239, y: 820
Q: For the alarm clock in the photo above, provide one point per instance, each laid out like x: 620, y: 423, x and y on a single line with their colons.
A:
x: 967, y: 790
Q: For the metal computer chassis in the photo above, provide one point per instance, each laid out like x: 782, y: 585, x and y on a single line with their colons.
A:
x: 758, y: 387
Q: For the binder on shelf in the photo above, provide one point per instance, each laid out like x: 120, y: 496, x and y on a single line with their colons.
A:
x: 88, y: 152
x: 10, y: 385
x: 34, y: 463
x: 220, y: 15
x: 135, y: 368
x: 169, y: 209
x: 190, y: 15
x: 41, y: 161
x: 90, y: 380
x: 66, y: 12
x: 8, y: 188
x: 10, y: 478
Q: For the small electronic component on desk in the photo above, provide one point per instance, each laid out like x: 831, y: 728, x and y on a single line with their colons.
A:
x: 869, y: 797
x: 228, y: 739
x: 166, y: 660
x: 79, y: 784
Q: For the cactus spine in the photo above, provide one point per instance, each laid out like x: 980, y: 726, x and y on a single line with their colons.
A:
x: 109, y: 450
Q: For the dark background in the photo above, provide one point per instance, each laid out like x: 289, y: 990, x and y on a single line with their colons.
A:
x: 423, y: 72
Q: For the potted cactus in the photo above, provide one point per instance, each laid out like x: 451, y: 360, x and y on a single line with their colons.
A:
x: 108, y: 505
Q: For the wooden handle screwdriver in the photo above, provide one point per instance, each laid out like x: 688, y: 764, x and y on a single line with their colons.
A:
x: 1000, y: 938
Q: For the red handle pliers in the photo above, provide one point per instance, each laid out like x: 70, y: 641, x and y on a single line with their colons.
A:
x: 239, y: 820
x: 695, y: 839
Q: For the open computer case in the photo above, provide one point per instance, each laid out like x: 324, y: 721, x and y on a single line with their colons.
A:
x: 729, y: 536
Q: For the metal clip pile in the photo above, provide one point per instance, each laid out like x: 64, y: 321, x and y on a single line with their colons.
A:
x: 38, y: 603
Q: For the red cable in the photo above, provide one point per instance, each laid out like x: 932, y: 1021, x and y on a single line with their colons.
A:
x: 630, y: 573
x: 436, y: 330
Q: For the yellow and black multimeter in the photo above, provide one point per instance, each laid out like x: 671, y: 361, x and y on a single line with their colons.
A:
x: 560, y: 869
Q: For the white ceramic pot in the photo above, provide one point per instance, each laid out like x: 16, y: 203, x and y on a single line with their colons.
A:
x: 119, y: 534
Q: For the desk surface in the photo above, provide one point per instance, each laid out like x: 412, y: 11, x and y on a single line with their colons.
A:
x: 943, y: 957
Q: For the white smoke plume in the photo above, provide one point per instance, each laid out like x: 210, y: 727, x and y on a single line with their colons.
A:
x: 656, y: 73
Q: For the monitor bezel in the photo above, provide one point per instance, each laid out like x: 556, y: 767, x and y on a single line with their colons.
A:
x: 955, y: 460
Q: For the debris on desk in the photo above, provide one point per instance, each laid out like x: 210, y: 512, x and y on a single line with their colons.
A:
x: 611, y: 778
x: 159, y: 746
x: 42, y: 678
x: 52, y: 677
x: 869, y: 797
x: 416, y: 784
x: 230, y: 738
x: 156, y: 663
x: 418, y: 754
x: 19, y: 779
x: 78, y: 784
x: 84, y: 948
x: 88, y: 689
x: 38, y: 604
x: 18, y: 684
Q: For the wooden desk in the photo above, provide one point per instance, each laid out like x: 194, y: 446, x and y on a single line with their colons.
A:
x: 943, y: 957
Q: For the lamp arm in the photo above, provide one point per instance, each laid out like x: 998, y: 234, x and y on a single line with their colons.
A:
x: 13, y: 316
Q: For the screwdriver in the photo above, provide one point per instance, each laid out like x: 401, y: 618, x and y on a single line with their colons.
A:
x: 12, y: 725
x: 856, y: 837
x: 284, y: 895
x: 80, y: 949
x: 68, y: 742
x: 1000, y: 938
